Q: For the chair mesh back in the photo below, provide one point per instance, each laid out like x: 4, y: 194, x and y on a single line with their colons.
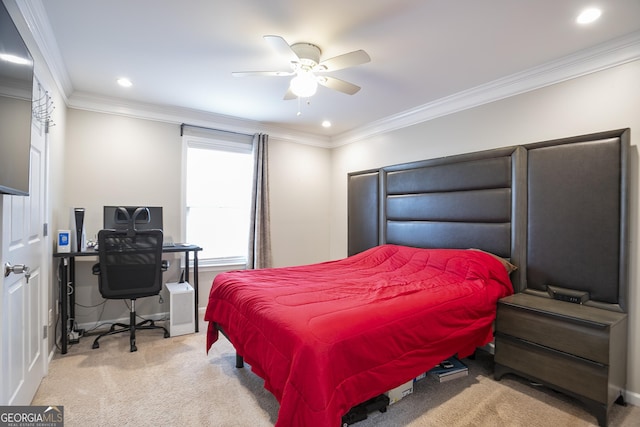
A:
x: 130, y: 263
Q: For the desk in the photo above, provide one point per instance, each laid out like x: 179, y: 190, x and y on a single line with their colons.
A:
x: 67, y: 271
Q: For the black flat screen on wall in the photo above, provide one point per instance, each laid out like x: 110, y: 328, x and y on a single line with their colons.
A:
x: 16, y: 93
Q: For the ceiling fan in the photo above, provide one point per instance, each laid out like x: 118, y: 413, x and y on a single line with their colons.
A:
x: 308, y: 71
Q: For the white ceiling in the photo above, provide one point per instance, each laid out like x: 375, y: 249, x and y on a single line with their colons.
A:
x: 182, y: 53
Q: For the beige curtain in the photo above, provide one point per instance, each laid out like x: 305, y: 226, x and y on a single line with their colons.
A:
x: 259, y: 255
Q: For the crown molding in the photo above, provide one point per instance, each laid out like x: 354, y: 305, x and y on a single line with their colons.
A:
x: 606, y: 55
x: 178, y: 115
x: 36, y: 19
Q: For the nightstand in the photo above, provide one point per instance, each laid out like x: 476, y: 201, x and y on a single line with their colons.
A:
x: 575, y: 349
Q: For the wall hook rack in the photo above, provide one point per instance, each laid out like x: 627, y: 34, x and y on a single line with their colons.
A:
x: 43, y: 108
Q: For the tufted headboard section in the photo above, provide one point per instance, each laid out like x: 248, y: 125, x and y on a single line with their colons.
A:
x: 463, y: 202
x: 557, y: 209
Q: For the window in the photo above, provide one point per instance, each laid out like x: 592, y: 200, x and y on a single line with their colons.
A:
x: 219, y: 176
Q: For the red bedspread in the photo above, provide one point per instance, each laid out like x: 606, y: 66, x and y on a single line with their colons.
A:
x: 326, y: 337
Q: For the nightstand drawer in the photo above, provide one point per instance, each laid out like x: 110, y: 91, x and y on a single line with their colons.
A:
x: 588, y: 341
x: 569, y: 373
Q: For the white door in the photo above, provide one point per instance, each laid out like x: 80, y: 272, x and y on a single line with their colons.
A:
x: 24, y: 300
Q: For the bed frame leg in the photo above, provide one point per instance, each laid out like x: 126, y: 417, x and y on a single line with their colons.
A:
x: 239, y: 361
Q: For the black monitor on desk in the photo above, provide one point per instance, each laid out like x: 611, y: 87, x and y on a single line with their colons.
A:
x: 140, y: 217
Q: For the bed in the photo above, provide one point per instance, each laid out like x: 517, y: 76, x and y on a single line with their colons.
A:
x: 328, y: 336
x: 431, y: 249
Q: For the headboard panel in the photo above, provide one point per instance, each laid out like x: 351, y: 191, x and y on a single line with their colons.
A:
x: 456, y: 175
x: 450, y: 205
x: 574, y: 217
x: 363, y: 211
x: 557, y: 209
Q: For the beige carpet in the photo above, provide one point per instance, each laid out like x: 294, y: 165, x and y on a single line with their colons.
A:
x: 173, y: 382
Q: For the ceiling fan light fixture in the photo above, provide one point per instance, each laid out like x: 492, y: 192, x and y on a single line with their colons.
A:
x: 304, y: 84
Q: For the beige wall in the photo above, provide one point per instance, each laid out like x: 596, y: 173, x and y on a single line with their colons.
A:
x: 300, y: 197
x: 601, y: 101
x: 117, y: 160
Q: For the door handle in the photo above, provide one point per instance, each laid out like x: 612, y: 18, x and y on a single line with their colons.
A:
x: 17, y: 269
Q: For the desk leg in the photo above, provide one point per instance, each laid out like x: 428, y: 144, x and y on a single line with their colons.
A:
x: 195, y: 281
x: 186, y: 266
x: 62, y: 288
x: 72, y: 292
x: 195, y: 286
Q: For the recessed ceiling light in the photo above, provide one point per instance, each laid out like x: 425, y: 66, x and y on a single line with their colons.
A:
x: 587, y: 16
x: 124, y: 82
x: 326, y: 124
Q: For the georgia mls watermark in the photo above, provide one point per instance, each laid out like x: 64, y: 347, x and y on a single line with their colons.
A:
x: 31, y: 416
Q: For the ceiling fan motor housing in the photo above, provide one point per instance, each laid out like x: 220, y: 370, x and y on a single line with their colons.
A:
x: 308, y: 53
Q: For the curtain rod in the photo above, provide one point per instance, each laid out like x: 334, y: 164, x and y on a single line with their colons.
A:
x: 206, y: 128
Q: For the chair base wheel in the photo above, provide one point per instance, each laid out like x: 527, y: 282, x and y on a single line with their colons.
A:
x: 145, y: 325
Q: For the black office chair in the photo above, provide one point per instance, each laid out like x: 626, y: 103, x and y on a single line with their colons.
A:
x: 130, y: 267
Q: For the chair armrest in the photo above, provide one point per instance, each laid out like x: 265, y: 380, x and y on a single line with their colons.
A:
x: 165, y: 264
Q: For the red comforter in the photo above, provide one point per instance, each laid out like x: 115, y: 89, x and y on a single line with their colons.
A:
x: 326, y: 337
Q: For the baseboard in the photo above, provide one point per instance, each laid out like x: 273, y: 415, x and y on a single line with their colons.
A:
x: 632, y: 398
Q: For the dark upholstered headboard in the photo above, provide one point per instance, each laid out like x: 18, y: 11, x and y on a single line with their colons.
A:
x: 556, y: 209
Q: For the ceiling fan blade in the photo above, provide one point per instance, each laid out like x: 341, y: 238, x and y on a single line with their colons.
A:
x: 283, y: 49
x: 346, y: 60
x: 262, y: 73
x: 339, y: 85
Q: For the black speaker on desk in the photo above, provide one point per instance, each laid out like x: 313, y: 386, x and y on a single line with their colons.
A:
x: 79, y: 242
